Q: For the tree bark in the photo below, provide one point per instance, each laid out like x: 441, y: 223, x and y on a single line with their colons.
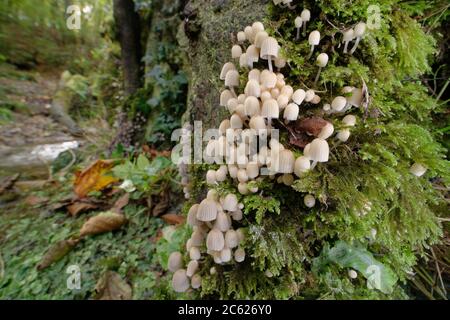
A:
x: 128, y: 26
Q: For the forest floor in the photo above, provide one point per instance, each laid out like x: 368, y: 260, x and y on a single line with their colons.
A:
x: 40, y: 213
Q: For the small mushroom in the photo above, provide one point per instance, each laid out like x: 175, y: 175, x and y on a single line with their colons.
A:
x: 269, y: 50
x: 254, y: 74
x: 252, y: 170
x: 225, y: 95
x: 259, y: 38
x: 326, y: 131
x: 291, y: 112
x: 207, y: 210
x: 349, y: 120
x: 286, y: 161
x: 298, y: 96
x: 257, y: 123
x: 242, y: 188
x: 196, y: 281
x: 236, y: 121
x: 321, y: 62
x: 252, y: 106
x: 192, y: 216
x: 252, y: 54
x: 347, y: 36
x: 417, y: 169
x: 318, y: 151
x: 338, y: 103
x: 313, y: 40
x: 180, y: 281
x: 352, y: 274
x: 270, y: 110
x: 360, y: 29
x: 239, y: 255
x: 226, y: 67
x: 241, y: 37
x: 232, y: 80
x: 298, y: 24
x: 248, y: 33
x: 309, y: 201
x: 309, y: 95
x: 230, y: 202
x: 306, y: 16
x: 175, y: 261
x: 280, y: 63
x: 211, y: 177
x: 252, y: 88
x: 194, y: 253
x: 302, y: 164
x: 191, y: 268
x: 231, y: 239
x: 257, y: 27
x: 215, y: 240
x: 236, y: 51
x: 343, y: 135
x: 268, y: 79
x: 243, y: 61
x: 225, y: 254
x: 222, y: 222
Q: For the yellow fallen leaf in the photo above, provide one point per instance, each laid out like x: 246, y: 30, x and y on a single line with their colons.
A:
x: 94, y: 178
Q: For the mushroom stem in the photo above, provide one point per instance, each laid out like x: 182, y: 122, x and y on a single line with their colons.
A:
x: 290, y: 6
x: 304, y: 28
x: 270, y: 64
x: 232, y: 91
x: 317, y: 76
x: 297, y: 36
x: 311, y: 53
x: 346, y: 46
x: 355, y: 45
x: 313, y: 165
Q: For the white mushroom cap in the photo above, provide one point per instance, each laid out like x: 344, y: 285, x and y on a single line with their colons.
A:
x: 240, y: 111
x: 221, y: 175
x: 241, y: 98
x: 225, y: 254
x: 180, y: 281
x: 280, y: 62
x: 242, y: 175
x: 237, y: 215
x: 282, y: 101
x: 291, y: 112
x: 309, y: 201
x: 241, y: 36
x: 269, y: 48
x: 417, y: 169
x: 316, y: 99
x: 191, y: 268
x: 349, y: 120
x: 360, y: 28
x: 309, y: 95
x: 298, y: 96
x: 326, y: 107
x: 207, y: 210
x: 210, y: 177
x: 348, y: 35
x: 338, y: 103
x: 319, y: 150
x: 252, y: 88
x: 352, y: 274
x: 252, y: 54
x: 343, y: 135
x: 223, y: 222
x: 212, y: 271
x: 243, y: 60
x: 305, y: 15
x: 265, y: 95
x: 226, y: 67
x: 257, y: 27
x: 197, y: 238
x: 322, y: 60
x: 231, y: 239
x: 286, y: 161
x: 236, y: 51
x: 326, y: 131
x: 239, y: 255
x: 175, y: 261
x: 288, y: 179
x: 314, y: 38
x: 275, y: 93
x: 232, y: 79
x: 224, y: 125
x: 188, y: 244
x: 260, y: 37
x: 232, y: 169
x: 248, y: 33
x: 306, y: 150
x: 232, y: 104
x: 215, y: 240
x: 194, y: 253
x: 225, y: 95
x: 287, y: 90
x: 302, y: 164
x: 230, y: 202
x: 270, y: 109
x: 235, y: 122
x: 242, y: 188
x: 196, y: 281
x: 254, y: 75
x: 298, y: 22
x: 192, y: 216
x: 356, y: 98
x: 268, y: 79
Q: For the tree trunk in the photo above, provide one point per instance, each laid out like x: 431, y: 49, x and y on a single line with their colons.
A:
x: 128, y: 26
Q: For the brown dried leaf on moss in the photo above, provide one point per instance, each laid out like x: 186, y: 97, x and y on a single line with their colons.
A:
x: 103, y: 222
x: 173, y: 218
x: 94, y: 178
x: 81, y: 206
x: 56, y: 252
x: 162, y: 205
x: 121, y: 203
x: 111, y: 286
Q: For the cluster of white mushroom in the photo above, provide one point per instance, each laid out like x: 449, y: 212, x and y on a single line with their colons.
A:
x: 351, y: 34
x: 183, y: 166
x: 212, y: 234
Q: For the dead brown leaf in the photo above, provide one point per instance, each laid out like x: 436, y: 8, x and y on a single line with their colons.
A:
x: 80, y: 206
x: 162, y: 205
x: 311, y: 125
x: 111, y: 286
x: 121, y: 203
x: 94, y: 178
x: 103, y: 222
x: 155, y: 153
x: 35, y: 200
x: 173, y: 218
x: 56, y: 252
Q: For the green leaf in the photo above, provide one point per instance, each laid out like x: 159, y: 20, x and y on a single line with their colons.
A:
x: 142, y: 162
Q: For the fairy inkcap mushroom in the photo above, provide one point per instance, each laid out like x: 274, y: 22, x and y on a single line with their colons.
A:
x: 338, y: 103
x: 280, y: 62
x: 225, y: 254
x: 318, y: 151
x: 252, y: 88
x: 257, y: 27
x: 343, y: 135
x: 417, y: 169
x: 194, y: 253
x: 291, y: 112
x: 309, y: 201
x: 252, y: 54
x: 175, y: 261
x: 298, y: 24
x: 215, y: 240
x: 286, y: 161
x: 302, y: 164
x: 259, y: 38
x: 309, y: 95
x: 226, y: 67
x: 270, y: 110
x: 349, y: 120
x: 360, y: 29
x: 254, y: 75
x: 282, y: 101
x: 268, y: 79
x: 269, y: 50
x: 321, y: 62
x: 230, y: 202
x: 347, y: 36
x: 306, y: 16
x: 191, y: 268
x: 239, y: 255
x: 257, y: 123
x: 180, y: 281
x: 207, y: 210
x: 241, y: 36
x: 248, y: 31
x: 192, y: 216
x: 298, y: 96
x: 326, y: 131
x: 225, y: 95
x: 313, y: 40
x: 235, y: 122
x: 232, y: 80
x: 243, y: 61
x: 231, y: 239
x: 236, y: 51
x: 210, y: 177
x: 252, y: 170
x: 222, y: 222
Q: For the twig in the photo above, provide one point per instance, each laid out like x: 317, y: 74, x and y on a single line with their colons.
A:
x: 438, y: 272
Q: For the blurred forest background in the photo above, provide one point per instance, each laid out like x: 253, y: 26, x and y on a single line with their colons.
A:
x: 76, y: 121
